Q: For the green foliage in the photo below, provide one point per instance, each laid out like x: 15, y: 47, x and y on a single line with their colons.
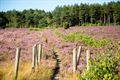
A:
x: 118, y: 52
x: 42, y: 23
x: 71, y: 15
x: 55, y: 25
x: 65, y: 25
x: 2, y: 22
x: 104, y: 67
x: 58, y: 33
x: 34, y: 29
x: 86, y: 39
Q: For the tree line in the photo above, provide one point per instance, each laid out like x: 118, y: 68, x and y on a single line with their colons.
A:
x: 64, y: 16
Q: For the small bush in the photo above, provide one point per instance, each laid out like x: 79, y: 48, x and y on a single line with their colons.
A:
x: 66, y: 25
x: 104, y: 67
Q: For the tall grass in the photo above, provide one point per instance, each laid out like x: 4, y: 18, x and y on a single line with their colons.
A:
x: 25, y: 72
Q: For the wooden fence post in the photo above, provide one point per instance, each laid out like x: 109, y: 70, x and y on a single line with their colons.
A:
x: 87, y: 59
x: 17, y: 63
x: 78, y: 54
x: 74, y: 60
x: 39, y: 52
x: 33, y: 57
x: 36, y: 56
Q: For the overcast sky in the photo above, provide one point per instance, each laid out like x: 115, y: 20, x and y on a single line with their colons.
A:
x: 47, y: 5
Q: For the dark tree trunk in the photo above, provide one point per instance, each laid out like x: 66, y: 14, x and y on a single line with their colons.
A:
x: 91, y: 19
x: 104, y: 19
x: 114, y: 19
x: 85, y: 18
x: 108, y: 19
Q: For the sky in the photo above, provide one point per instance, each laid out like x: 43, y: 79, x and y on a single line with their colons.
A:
x: 47, y: 5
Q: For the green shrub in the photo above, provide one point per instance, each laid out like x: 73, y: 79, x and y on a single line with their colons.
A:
x: 58, y: 33
x: 86, y: 39
x: 102, y: 68
x: 66, y: 25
